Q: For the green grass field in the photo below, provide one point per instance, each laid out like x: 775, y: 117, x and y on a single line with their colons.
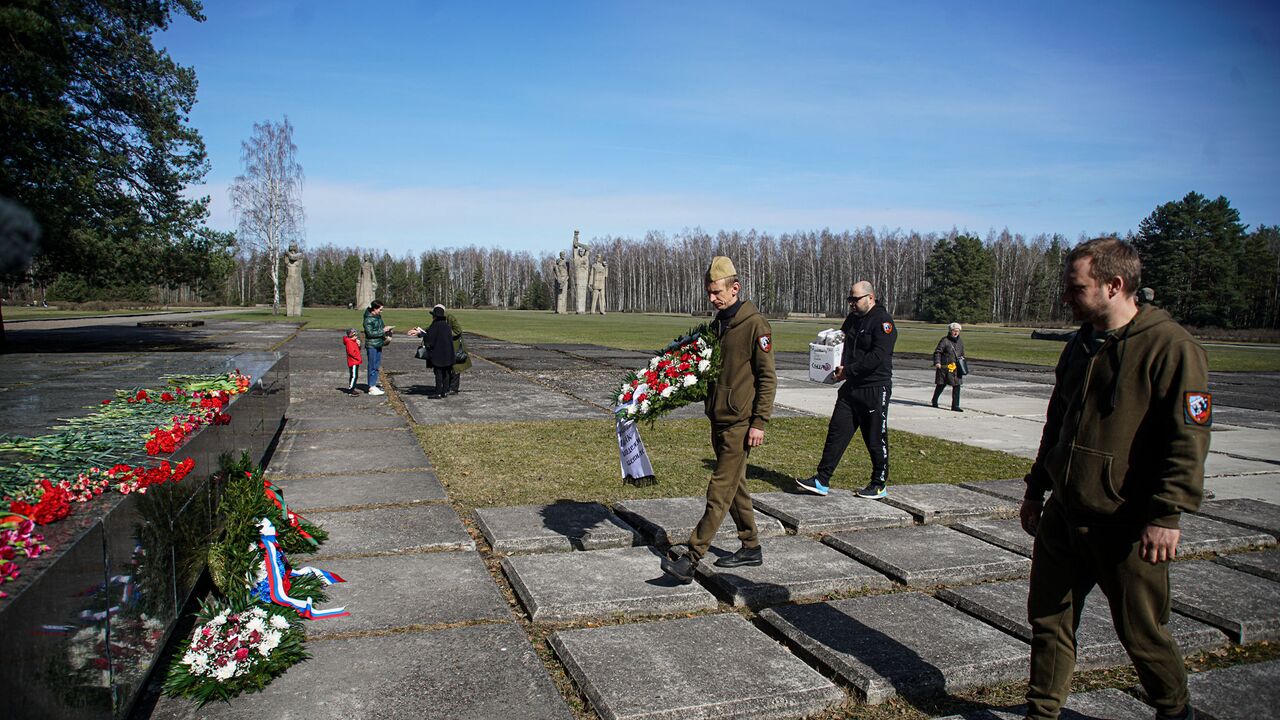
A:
x: 646, y: 332
x: 486, y: 465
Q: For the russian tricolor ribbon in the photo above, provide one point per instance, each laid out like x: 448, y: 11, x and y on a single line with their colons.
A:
x: 278, y: 574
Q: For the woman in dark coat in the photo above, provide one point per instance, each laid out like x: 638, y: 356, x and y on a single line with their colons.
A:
x: 438, y: 339
x: 946, y: 366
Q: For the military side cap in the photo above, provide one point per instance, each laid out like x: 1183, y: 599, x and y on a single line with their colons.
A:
x: 721, y: 268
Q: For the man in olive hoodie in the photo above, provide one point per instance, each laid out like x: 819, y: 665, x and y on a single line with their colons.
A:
x: 739, y: 404
x: 1123, y: 450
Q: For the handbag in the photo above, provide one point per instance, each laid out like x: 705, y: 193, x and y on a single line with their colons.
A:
x: 421, y: 353
x: 460, y: 357
x: 962, y: 366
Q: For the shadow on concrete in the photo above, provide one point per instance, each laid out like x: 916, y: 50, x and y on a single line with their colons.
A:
x: 113, y: 338
x: 573, y: 520
x: 785, y: 483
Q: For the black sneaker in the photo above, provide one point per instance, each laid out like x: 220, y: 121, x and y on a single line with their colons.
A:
x: 744, y: 557
x: 681, y: 568
x: 873, y: 491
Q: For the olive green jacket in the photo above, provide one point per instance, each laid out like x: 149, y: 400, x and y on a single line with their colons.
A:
x: 747, y: 382
x: 1127, y: 430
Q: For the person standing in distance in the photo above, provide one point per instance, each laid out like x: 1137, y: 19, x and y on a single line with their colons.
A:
x: 375, y: 336
x: 738, y: 404
x: 1123, y: 449
x: 862, y: 403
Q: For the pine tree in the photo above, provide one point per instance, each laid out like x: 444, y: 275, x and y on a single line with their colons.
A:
x: 961, y: 281
x: 1191, y: 252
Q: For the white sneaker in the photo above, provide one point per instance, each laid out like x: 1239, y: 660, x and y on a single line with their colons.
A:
x: 375, y: 390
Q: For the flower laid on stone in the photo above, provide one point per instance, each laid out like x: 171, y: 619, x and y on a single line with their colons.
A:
x: 235, y: 650
x: 18, y: 541
x: 675, y: 377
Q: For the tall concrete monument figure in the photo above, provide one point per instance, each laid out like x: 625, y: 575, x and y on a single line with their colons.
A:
x: 562, y: 284
x: 293, y: 286
x: 599, y: 272
x: 367, y: 285
x: 581, y: 270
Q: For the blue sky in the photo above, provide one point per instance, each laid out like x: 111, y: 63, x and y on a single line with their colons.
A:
x: 426, y: 125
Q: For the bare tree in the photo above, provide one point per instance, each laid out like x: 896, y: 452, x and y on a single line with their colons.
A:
x: 268, y: 197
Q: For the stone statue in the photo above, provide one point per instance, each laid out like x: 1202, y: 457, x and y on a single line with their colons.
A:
x: 599, y: 273
x: 293, y: 285
x: 581, y: 269
x: 562, y: 285
x: 367, y: 286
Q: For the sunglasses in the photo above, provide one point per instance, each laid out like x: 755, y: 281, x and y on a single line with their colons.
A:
x: 855, y: 298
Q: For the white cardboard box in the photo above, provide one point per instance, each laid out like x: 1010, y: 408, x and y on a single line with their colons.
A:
x: 823, y: 360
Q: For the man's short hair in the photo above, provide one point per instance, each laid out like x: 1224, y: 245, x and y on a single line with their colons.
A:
x: 1112, y: 257
x: 728, y: 281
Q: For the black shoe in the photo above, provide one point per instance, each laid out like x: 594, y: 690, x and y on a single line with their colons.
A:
x: 681, y: 568
x: 744, y: 557
x: 934, y: 403
x: 873, y: 491
x: 956, y: 409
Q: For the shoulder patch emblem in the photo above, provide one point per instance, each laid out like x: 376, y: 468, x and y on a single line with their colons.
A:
x: 1197, y: 408
x: 888, y: 327
x: 766, y: 342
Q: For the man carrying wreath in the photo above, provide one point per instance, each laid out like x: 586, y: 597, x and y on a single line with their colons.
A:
x: 738, y: 404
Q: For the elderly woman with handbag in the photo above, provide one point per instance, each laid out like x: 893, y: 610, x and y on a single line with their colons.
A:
x: 437, y: 350
x: 949, y: 366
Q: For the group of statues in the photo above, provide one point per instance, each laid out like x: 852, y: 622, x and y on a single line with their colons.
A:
x: 587, y: 278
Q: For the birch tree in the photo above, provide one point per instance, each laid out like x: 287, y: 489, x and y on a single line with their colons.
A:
x: 267, y: 198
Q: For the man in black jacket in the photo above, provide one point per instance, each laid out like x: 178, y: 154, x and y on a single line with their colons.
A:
x: 862, y: 403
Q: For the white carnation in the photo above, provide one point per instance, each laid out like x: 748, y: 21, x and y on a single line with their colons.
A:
x: 226, y: 672
x: 653, y: 363
x: 706, y: 353
x: 269, y: 642
x: 256, y: 623
x: 278, y: 622
x: 703, y: 365
x: 690, y: 380
x: 631, y: 409
x: 644, y: 406
x: 668, y: 391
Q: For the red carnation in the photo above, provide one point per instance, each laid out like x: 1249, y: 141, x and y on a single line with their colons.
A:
x: 167, y: 397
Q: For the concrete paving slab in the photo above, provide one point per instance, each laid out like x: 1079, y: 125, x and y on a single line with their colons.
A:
x: 1108, y: 704
x: 399, y: 591
x: 1004, y: 604
x: 600, y: 583
x: 1011, y: 489
x: 485, y: 397
x: 930, y: 555
x: 557, y: 527
x: 350, y: 440
x: 795, y: 568
x: 1243, y: 692
x: 942, y: 503
x: 1202, y: 534
x: 1245, y: 512
x: 1243, y: 605
x: 346, y: 461
x: 309, y: 494
x: 715, y: 666
x: 383, y: 531
x: 1007, y: 534
x: 1263, y: 563
x: 343, y: 421
x: 901, y: 644
x: 839, y: 510
x: 666, y: 521
x: 467, y: 673
x: 1252, y: 486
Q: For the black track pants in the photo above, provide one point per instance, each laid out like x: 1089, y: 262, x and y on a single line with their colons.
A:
x: 865, y: 409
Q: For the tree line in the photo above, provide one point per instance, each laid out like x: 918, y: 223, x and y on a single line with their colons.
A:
x: 1202, y: 263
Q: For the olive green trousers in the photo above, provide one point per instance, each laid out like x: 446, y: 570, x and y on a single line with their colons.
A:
x: 727, y: 491
x: 1069, y: 559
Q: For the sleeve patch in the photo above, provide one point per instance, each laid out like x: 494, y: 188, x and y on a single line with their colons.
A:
x: 888, y: 327
x: 1197, y: 408
x: 766, y: 342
